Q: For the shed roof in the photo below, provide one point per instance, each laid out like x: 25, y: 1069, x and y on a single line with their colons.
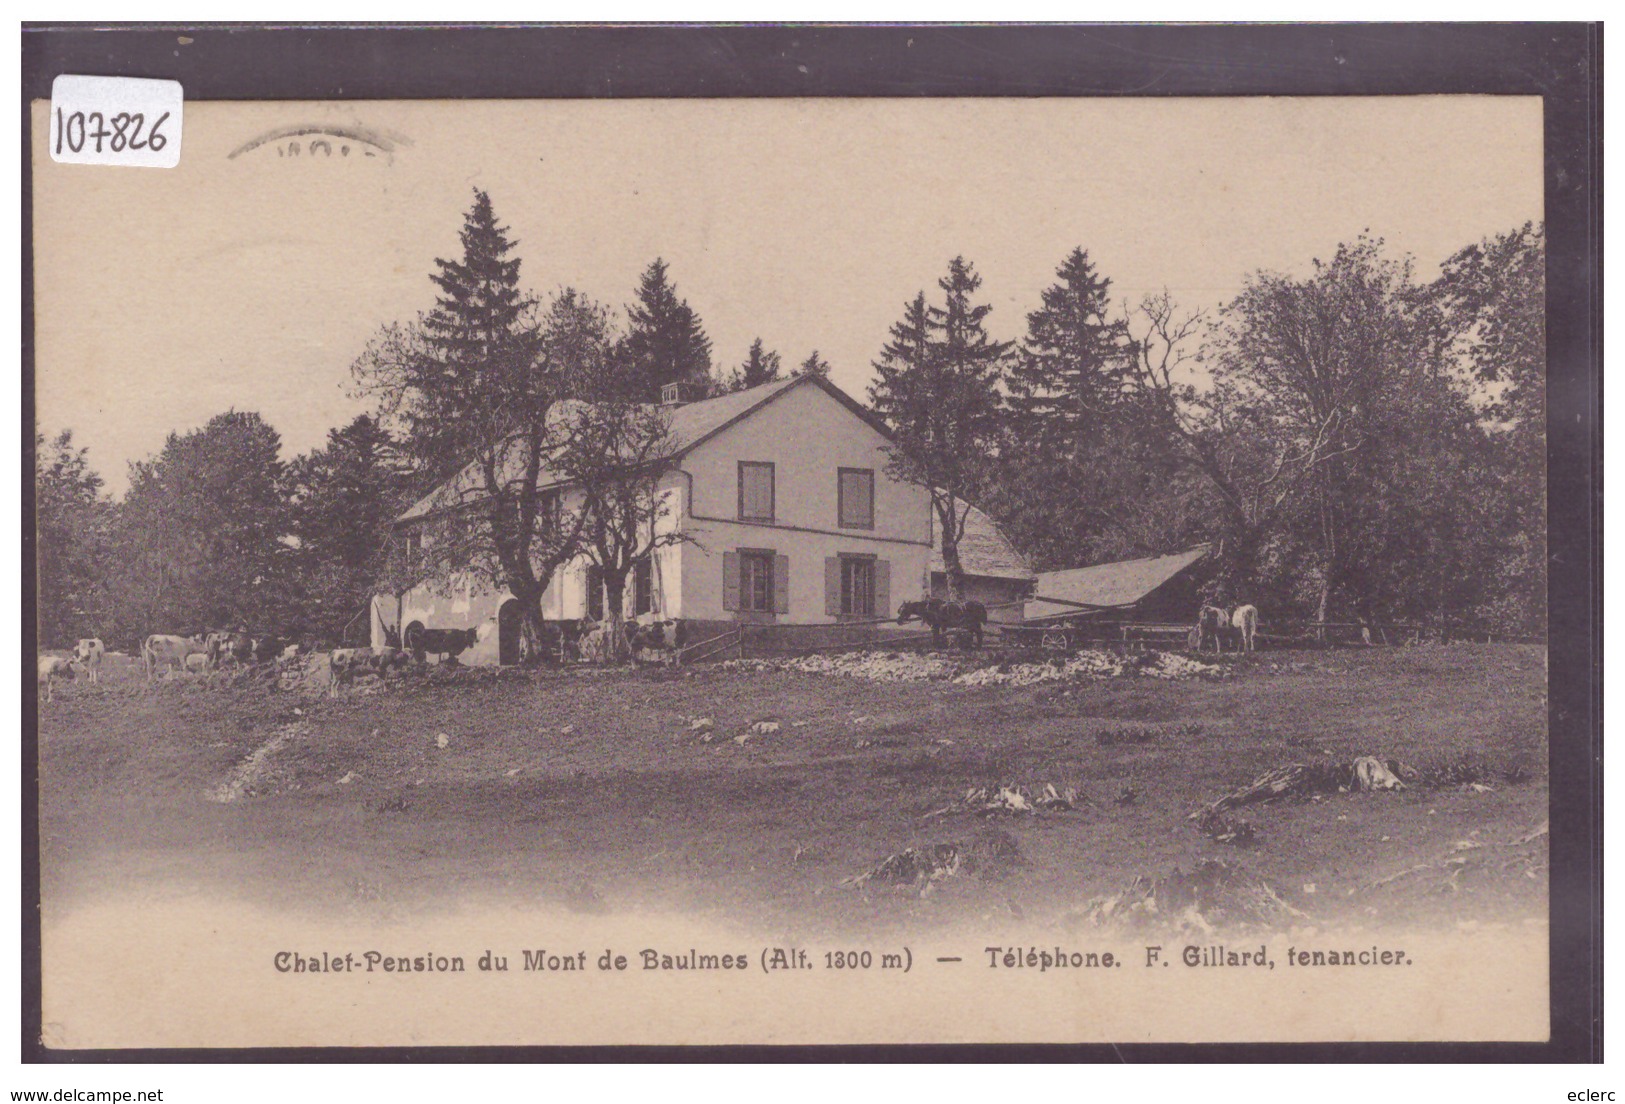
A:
x: 1112, y: 584
x: 983, y: 550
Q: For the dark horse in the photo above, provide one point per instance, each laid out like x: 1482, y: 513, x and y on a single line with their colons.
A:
x: 944, y: 616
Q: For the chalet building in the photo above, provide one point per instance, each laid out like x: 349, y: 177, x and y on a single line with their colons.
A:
x: 793, y: 521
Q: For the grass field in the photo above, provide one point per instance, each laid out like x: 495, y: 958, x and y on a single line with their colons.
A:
x: 589, y: 790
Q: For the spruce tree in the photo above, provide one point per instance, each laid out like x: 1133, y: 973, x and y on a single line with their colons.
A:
x: 664, y: 341
x: 936, y: 384
x: 474, y: 376
x: 1073, y: 365
x: 814, y: 365
x: 1066, y: 425
x: 760, y: 366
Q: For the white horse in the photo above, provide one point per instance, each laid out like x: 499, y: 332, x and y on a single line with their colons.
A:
x: 1244, y: 621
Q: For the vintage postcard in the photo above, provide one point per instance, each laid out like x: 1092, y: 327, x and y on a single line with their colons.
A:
x: 791, y: 571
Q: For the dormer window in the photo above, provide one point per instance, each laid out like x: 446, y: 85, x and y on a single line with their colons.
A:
x: 679, y: 392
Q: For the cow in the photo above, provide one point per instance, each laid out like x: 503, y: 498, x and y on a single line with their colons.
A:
x: 263, y: 649
x: 54, y: 669
x: 594, y: 643
x: 346, y: 663
x: 442, y: 642
x: 562, y: 639
x: 161, y: 649
x: 1211, y: 623
x: 944, y: 616
x: 1244, y: 622
x: 223, y: 645
x: 89, y: 652
x: 390, y: 659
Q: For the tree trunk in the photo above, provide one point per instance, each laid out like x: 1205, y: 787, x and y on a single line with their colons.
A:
x: 532, y: 634
x: 620, y: 649
x: 952, y: 570
x: 1332, y: 570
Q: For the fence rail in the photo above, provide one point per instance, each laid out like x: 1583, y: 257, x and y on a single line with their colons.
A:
x: 713, y: 646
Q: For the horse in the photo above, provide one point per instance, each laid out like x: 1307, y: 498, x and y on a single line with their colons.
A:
x: 944, y: 616
x: 1244, y: 622
x: 1212, y: 623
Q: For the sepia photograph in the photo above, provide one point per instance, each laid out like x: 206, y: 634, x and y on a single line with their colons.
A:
x: 792, y: 571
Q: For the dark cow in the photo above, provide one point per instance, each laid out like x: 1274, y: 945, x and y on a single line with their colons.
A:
x: 652, y: 636
x: 422, y: 642
x: 944, y: 616
x: 223, y: 645
x: 264, y: 649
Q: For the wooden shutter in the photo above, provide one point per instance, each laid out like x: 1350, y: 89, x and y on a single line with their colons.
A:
x: 882, y: 588
x: 832, y: 586
x: 730, y: 580
x: 781, y: 584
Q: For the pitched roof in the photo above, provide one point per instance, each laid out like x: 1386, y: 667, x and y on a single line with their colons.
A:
x: 691, y: 424
x: 983, y: 550
x: 1113, y: 584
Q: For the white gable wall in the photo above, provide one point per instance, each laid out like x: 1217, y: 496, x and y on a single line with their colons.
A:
x: 808, y: 436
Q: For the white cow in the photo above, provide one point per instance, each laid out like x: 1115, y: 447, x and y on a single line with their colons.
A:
x: 54, y: 669
x: 89, y: 652
x: 166, y: 650
x: 595, y: 644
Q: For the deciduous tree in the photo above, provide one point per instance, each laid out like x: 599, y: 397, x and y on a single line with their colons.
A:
x: 71, y: 523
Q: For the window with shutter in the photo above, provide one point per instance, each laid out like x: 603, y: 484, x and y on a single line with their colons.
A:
x: 858, y: 586
x: 855, y: 490
x: 756, y: 587
x: 755, y: 491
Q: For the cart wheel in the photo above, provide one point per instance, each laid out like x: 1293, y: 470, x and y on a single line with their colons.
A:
x: 1054, y: 640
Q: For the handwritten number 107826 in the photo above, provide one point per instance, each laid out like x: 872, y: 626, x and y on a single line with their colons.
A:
x: 121, y: 132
